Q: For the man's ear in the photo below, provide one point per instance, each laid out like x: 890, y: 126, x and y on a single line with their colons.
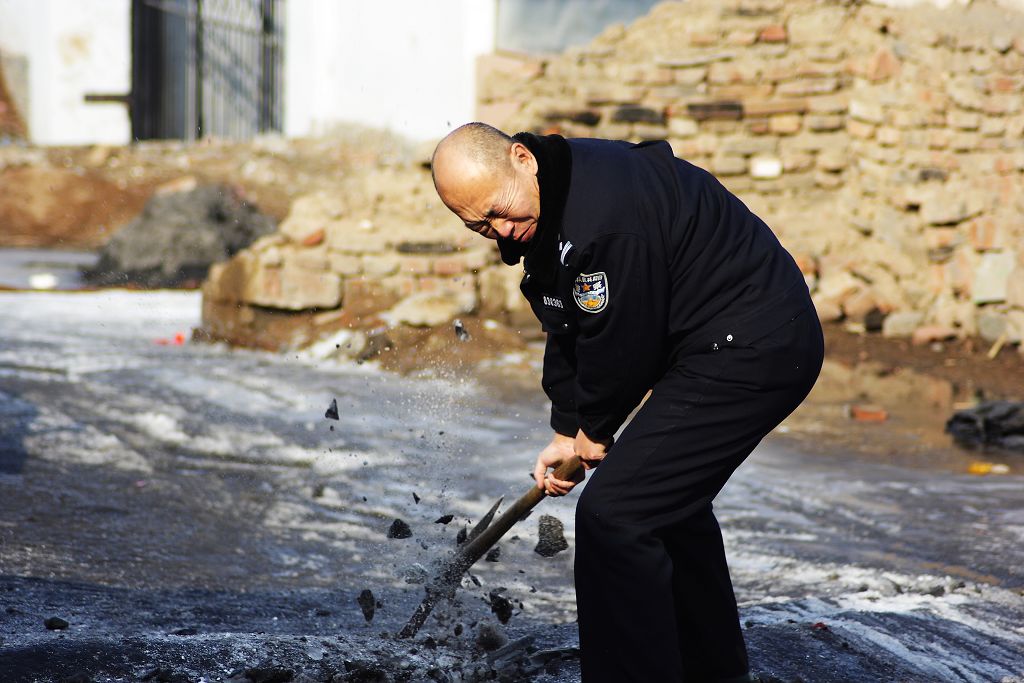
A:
x: 523, y: 158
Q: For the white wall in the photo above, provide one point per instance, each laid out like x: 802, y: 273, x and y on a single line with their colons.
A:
x: 404, y: 65
x: 72, y: 47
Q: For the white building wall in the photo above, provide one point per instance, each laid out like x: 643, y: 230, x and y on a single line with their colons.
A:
x: 404, y: 65
x: 72, y: 47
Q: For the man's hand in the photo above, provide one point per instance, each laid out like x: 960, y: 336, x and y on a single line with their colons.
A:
x: 591, y: 452
x: 560, y: 448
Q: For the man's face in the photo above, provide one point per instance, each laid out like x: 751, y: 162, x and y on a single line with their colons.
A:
x: 507, y: 206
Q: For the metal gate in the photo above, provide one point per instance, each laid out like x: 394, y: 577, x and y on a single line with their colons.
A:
x: 206, y: 68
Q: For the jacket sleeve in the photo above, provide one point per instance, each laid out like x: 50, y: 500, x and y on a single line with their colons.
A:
x: 559, y: 382
x: 621, y: 344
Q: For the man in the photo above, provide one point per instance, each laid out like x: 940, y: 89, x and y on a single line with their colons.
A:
x: 646, y: 274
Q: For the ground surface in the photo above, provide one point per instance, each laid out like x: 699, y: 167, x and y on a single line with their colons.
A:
x: 192, y: 514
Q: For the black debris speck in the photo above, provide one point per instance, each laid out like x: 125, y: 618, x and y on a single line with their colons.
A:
x: 457, y: 630
x: 367, y: 603
x: 332, y: 410
x: 494, y: 554
x: 500, y: 605
x: 551, y: 537
x: 460, y: 330
x: 444, y: 519
x: 461, y: 537
x: 187, y: 631
x: 56, y: 624
x: 416, y: 498
x: 399, y: 529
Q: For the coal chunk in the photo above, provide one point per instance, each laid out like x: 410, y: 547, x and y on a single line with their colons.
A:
x: 187, y: 631
x: 416, y: 498
x: 461, y: 537
x: 399, y: 529
x: 874, y: 319
x: 494, y: 554
x: 56, y: 624
x: 367, y: 603
x: 444, y: 519
x: 551, y: 537
x: 270, y: 674
x: 500, y: 605
x: 460, y: 330
x: 332, y: 410
x: 489, y: 636
x: 992, y: 424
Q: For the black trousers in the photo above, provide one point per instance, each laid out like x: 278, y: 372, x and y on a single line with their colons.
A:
x: 654, y: 597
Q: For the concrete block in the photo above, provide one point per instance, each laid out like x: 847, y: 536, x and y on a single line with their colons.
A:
x: 992, y: 276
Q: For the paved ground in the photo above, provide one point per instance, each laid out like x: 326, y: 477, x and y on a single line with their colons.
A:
x: 191, y: 513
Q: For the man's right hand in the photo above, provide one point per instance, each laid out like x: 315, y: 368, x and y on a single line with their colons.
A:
x: 561, y: 448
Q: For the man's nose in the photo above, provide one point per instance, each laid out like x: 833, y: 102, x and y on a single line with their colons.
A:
x: 503, y: 227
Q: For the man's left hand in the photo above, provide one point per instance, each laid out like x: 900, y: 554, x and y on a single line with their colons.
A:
x: 591, y: 452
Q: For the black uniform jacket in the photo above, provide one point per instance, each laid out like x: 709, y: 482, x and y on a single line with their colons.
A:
x: 638, y: 260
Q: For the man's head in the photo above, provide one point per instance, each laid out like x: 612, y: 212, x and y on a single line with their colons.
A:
x: 488, y: 180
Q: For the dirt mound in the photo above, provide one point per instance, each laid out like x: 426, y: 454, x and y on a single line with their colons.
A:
x: 178, y: 236
x: 43, y: 206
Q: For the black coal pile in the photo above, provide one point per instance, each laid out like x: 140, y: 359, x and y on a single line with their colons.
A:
x: 178, y: 237
x: 993, y: 424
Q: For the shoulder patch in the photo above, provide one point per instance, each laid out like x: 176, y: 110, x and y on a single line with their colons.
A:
x: 591, y: 292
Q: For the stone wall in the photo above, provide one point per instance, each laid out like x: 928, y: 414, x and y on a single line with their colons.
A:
x: 377, y: 251
x: 884, y: 145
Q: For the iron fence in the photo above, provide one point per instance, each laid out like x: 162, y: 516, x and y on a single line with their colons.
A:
x: 206, y: 68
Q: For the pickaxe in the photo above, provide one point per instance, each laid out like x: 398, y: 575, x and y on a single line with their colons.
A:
x: 484, y: 535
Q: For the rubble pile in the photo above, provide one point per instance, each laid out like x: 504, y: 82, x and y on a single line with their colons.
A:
x: 884, y: 145
x: 183, y: 230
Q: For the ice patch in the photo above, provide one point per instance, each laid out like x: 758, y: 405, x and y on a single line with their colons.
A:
x: 161, y: 427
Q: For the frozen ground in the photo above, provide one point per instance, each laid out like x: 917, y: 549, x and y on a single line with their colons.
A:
x: 189, y: 511
x: 43, y: 268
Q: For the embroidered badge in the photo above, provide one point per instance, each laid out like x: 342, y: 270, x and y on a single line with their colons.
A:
x: 591, y: 292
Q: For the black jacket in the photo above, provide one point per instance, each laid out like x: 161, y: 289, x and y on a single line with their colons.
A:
x: 640, y: 258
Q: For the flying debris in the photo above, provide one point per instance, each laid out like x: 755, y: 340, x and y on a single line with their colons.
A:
x: 332, y: 410
x: 367, y: 603
x: 460, y: 330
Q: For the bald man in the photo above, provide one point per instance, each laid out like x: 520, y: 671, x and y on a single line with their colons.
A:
x: 645, y: 273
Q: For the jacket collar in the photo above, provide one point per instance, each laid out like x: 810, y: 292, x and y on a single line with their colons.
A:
x: 554, y: 171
